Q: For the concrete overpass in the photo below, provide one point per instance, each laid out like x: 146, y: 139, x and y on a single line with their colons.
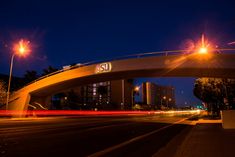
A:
x: 193, y: 65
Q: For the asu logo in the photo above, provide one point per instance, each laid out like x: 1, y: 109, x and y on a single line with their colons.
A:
x: 103, y: 67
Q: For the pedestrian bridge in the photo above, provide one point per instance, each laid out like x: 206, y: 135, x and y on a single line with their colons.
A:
x: 183, y: 65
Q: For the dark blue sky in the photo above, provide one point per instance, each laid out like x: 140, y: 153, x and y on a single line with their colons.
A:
x: 73, y: 31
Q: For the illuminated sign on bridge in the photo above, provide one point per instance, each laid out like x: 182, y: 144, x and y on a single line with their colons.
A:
x: 103, y: 67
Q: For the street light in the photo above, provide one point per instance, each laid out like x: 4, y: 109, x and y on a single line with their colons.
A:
x: 169, y: 100
x: 164, y: 97
x: 203, y: 50
x: 21, y: 48
x: 203, y: 47
x: 135, y: 89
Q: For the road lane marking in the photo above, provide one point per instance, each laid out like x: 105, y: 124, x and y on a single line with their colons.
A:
x: 112, y: 148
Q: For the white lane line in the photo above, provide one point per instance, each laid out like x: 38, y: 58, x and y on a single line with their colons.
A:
x: 110, y: 149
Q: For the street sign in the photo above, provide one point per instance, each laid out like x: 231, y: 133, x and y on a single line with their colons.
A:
x: 103, y: 67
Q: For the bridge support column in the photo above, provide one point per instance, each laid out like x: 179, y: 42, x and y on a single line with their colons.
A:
x: 19, y: 104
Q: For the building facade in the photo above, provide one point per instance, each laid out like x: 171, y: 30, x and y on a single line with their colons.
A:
x: 109, y: 95
x: 158, y: 96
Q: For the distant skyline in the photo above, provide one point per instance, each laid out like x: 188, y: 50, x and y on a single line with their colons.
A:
x: 66, y: 32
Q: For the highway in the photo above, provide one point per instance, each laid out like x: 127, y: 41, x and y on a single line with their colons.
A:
x: 123, y: 135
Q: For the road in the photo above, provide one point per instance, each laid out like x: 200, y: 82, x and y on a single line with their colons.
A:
x: 125, y: 135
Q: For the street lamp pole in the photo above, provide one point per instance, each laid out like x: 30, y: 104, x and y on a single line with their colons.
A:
x: 169, y: 101
x: 164, y: 97
x: 9, y: 81
x: 135, y: 89
x: 21, y: 48
x: 167, y: 104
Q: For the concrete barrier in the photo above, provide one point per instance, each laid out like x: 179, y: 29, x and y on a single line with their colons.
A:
x: 228, y: 119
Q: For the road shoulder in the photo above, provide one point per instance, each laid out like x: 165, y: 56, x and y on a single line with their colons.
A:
x: 171, y: 148
x: 205, y: 139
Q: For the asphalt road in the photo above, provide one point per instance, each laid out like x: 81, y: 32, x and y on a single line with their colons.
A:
x: 88, y: 136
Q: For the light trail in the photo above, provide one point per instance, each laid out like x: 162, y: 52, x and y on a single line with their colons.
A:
x: 13, y: 113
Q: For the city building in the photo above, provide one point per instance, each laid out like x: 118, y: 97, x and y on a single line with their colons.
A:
x: 109, y: 95
x: 149, y: 94
x: 158, y: 96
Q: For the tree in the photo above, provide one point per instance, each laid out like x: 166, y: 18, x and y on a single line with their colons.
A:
x: 30, y: 76
x: 49, y: 70
x: 214, y: 92
x: 229, y: 88
x: 3, y: 93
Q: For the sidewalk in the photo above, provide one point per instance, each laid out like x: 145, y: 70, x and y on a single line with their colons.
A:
x: 206, y: 139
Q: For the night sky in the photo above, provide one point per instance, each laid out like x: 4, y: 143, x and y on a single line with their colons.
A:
x: 73, y: 31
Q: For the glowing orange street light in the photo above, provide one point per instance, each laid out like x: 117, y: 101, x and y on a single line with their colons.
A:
x: 20, y: 48
x: 203, y: 49
x: 137, y: 88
